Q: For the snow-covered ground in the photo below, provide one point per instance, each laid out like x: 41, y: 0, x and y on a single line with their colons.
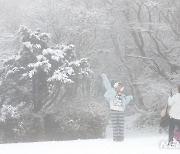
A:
x: 136, y: 142
x: 140, y: 145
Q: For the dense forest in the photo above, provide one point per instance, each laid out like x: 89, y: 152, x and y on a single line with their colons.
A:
x: 54, y: 51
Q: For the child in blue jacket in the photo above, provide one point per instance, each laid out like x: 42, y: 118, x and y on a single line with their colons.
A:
x: 117, y: 101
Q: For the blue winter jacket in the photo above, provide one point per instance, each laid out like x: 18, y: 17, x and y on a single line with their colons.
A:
x: 111, y: 93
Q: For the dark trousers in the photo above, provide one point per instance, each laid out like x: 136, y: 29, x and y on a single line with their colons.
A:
x: 172, y: 124
x: 117, y: 120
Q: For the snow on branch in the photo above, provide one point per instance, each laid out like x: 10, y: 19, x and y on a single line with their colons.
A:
x: 8, y: 110
x: 160, y: 71
x: 170, y: 50
x: 140, y: 57
x: 62, y: 75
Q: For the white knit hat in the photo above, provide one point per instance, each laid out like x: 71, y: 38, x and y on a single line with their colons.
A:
x: 117, y: 84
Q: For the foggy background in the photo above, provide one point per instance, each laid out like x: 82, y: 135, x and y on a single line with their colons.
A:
x: 52, y: 53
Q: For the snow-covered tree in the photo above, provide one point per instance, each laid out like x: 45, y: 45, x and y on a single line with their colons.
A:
x: 39, y: 76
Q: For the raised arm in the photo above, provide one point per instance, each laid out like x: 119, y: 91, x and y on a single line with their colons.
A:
x: 106, y: 81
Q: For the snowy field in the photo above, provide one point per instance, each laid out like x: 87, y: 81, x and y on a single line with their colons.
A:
x: 140, y: 145
x: 145, y: 141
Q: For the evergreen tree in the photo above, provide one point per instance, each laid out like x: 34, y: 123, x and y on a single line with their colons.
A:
x: 39, y: 76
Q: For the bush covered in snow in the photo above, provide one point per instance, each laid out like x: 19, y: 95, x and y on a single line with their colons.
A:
x: 40, y: 80
x: 82, y: 119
